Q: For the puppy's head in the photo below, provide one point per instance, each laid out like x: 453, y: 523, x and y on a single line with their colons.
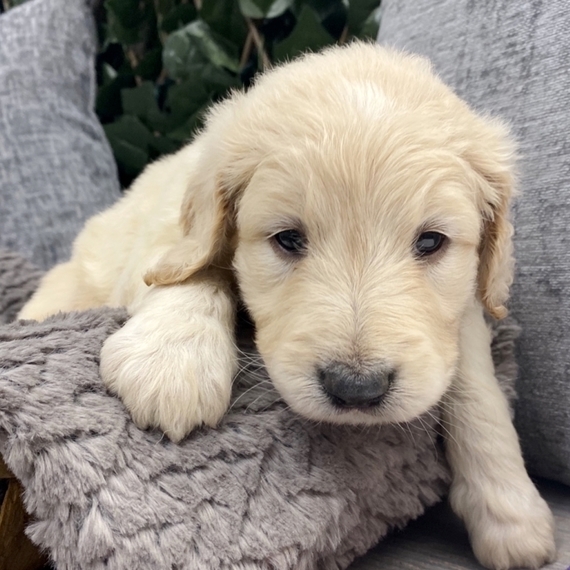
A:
x: 363, y: 207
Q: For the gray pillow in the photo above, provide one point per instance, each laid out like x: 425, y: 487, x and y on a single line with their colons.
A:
x: 56, y: 168
x: 511, y: 58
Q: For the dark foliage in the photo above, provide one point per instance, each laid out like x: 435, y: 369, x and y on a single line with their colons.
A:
x: 163, y: 62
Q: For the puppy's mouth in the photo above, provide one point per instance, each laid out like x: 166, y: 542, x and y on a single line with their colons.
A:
x: 372, y: 410
x: 327, y: 410
x: 368, y: 408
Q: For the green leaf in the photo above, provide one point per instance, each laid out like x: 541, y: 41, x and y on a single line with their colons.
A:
x: 224, y: 18
x: 131, y: 21
x: 129, y: 129
x: 163, y: 145
x: 182, y: 58
x: 217, y: 49
x: 264, y: 8
x: 184, y: 99
x: 370, y: 28
x: 308, y: 35
x: 116, y: 32
x: 125, y: 20
x: 141, y: 102
x: 108, y: 74
x: 187, y: 130
x: 358, y: 12
x: 333, y: 14
x: 130, y: 158
x: 163, y: 7
x: 150, y: 65
x: 218, y: 80
x: 108, y: 104
x: 178, y: 17
x: 130, y: 141
x: 194, y: 45
x: 127, y: 12
x: 138, y: 100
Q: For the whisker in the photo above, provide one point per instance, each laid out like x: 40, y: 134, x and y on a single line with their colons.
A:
x: 448, y: 434
x: 244, y: 394
x: 429, y: 432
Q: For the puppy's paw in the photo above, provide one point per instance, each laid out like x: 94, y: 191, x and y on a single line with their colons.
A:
x: 515, y: 530
x: 172, y: 378
x: 524, y: 543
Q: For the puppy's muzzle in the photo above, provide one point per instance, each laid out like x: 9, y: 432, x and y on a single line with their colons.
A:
x: 348, y: 386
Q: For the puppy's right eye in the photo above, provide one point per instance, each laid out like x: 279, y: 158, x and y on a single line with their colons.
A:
x: 292, y: 242
x: 429, y: 243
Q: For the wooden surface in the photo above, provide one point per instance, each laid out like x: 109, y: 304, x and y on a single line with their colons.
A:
x: 438, y: 540
x: 16, y: 550
x: 4, y: 471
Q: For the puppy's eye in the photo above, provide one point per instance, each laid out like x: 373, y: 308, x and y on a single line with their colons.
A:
x: 429, y: 243
x: 292, y: 242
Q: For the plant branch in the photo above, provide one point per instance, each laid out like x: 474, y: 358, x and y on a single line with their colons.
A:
x: 246, y: 52
x: 343, y: 35
x: 258, y: 41
x: 161, y: 35
x: 133, y: 60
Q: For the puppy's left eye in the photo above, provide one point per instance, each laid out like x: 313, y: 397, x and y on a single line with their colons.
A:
x: 292, y: 242
x: 429, y: 243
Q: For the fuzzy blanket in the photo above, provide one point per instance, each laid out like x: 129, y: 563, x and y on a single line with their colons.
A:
x: 266, y: 490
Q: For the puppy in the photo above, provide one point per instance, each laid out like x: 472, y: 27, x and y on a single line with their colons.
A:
x: 361, y: 210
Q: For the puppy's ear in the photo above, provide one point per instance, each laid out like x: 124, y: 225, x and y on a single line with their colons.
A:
x: 493, y: 162
x: 206, y: 218
x: 496, y: 261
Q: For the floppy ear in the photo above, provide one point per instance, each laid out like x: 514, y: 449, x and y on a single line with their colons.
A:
x: 496, y: 260
x: 207, y: 215
x: 494, y: 164
x: 206, y: 218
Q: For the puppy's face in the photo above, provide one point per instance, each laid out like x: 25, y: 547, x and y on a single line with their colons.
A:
x: 356, y: 257
x: 362, y: 206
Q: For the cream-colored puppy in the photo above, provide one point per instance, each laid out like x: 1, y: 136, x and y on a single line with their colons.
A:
x: 360, y: 209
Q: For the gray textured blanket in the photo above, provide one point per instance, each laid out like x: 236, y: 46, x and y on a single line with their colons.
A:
x: 266, y: 490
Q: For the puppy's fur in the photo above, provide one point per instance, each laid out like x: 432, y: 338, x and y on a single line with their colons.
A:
x: 360, y: 150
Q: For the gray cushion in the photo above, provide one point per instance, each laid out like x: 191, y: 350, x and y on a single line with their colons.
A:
x: 511, y: 58
x: 266, y: 490
x: 56, y: 168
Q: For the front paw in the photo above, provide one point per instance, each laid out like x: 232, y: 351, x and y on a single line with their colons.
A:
x: 513, y: 530
x: 176, y: 379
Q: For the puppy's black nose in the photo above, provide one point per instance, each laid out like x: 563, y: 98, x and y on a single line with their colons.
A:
x: 350, y: 387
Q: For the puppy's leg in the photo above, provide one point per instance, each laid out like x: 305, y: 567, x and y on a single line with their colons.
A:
x: 61, y: 289
x: 173, y: 362
x: 509, y: 524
